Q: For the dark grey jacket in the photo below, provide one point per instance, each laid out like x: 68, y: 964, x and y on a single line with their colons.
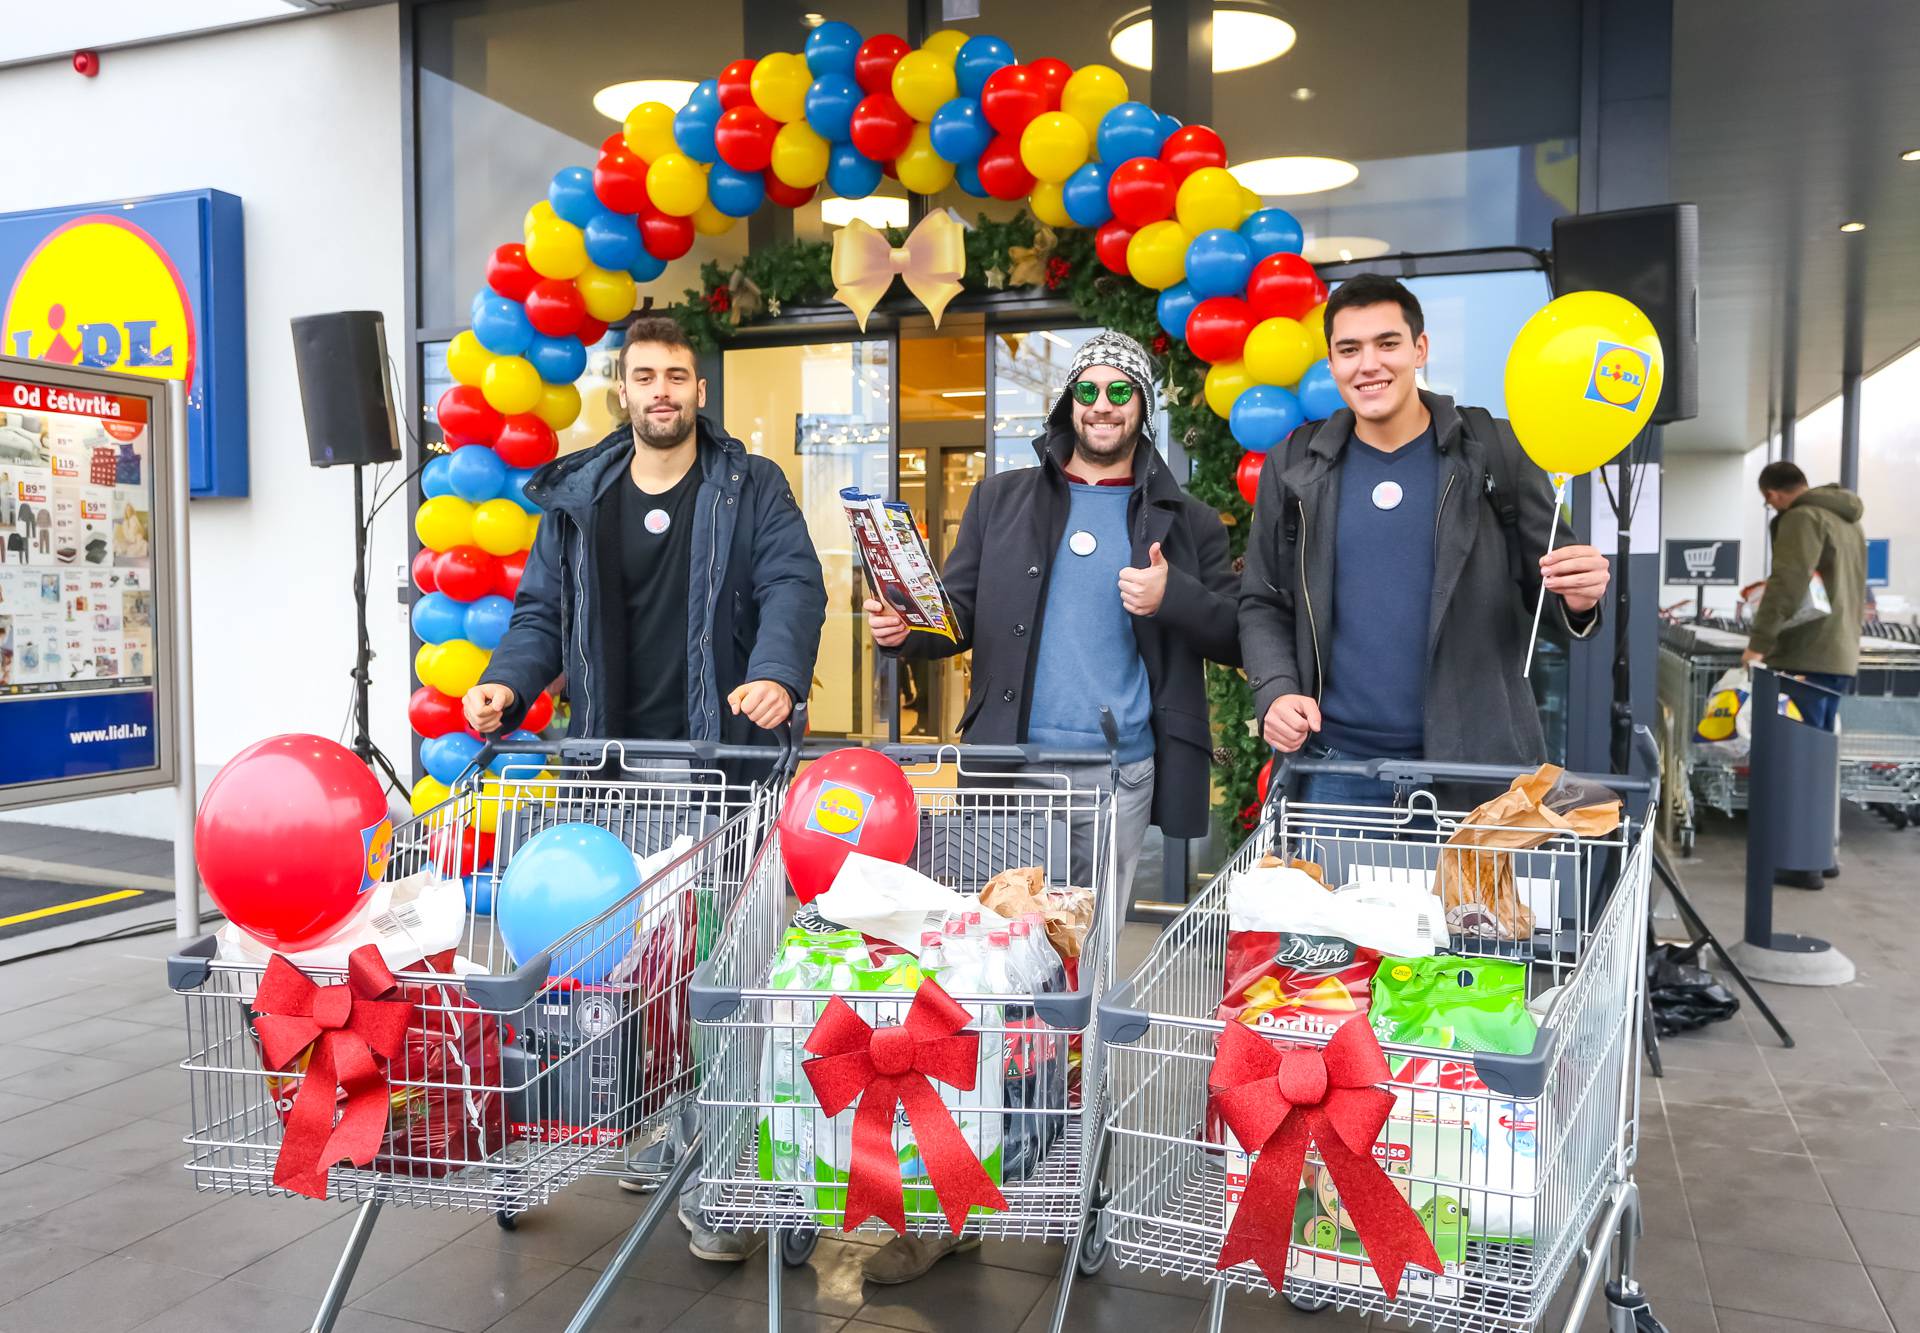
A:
x: 1479, y: 709
x: 755, y: 596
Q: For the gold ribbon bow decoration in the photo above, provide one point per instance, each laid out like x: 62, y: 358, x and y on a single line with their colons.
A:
x: 931, y: 263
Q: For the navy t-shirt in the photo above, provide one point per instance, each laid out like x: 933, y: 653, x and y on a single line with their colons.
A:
x: 1373, y: 704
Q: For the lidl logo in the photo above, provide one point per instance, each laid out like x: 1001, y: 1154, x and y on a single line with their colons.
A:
x: 1619, y: 376
x: 101, y: 292
x: 377, y: 845
x: 840, y: 812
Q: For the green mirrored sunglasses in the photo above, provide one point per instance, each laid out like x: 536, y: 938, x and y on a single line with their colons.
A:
x: 1119, y: 392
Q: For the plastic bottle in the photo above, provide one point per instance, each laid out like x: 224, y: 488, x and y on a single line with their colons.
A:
x: 933, y: 954
x: 1023, y: 1134
x: 961, y: 949
x: 1049, y: 1047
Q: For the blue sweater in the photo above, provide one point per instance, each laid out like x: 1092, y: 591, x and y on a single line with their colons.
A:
x: 1088, y: 656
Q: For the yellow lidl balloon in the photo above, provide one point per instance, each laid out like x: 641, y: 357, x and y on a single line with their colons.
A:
x: 511, y: 385
x: 779, y: 85
x: 1209, y: 198
x: 608, y: 293
x: 1315, y: 324
x: 1157, y: 254
x: 427, y: 793
x: 1582, y: 379
x: 1054, y: 146
x: 1226, y: 381
x: 923, y: 82
x: 1278, y: 351
x: 1048, y: 202
x: 444, y: 521
x: 921, y: 169
x: 649, y: 131
x: 423, y: 662
x: 710, y: 221
x: 946, y: 43
x: 500, y: 527
x: 556, y: 249
x: 558, y: 406
x: 1091, y: 92
x: 458, y: 666
x: 677, y: 185
x: 542, y: 211
x: 800, y: 155
x: 467, y: 358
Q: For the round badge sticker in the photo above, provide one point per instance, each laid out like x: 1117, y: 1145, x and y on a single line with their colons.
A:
x: 1082, y: 543
x: 1387, y: 495
x: 1403, y: 973
x: 657, y: 521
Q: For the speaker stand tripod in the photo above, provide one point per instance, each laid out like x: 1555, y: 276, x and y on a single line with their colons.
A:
x: 363, y: 745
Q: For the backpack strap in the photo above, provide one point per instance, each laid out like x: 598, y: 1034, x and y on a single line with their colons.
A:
x: 1502, y: 490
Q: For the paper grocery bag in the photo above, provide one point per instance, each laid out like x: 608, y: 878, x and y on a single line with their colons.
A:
x: 1476, y: 866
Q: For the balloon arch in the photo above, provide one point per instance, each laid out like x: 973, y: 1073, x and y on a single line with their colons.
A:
x: 1161, y: 205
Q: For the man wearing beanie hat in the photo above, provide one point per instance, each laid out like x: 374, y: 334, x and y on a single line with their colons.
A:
x: 1089, y: 581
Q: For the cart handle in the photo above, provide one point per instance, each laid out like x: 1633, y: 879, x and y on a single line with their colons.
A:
x: 785, y: 751
x: 1412, y: 772
x: 932, y: 752
x: 188, y: 970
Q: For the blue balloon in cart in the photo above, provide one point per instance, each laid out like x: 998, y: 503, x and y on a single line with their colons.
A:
x: 563, y: 878
x: 479, y: 891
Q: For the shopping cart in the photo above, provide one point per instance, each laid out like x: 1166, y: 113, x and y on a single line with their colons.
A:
x: 526, y: 1074
x: 760, y: 1119
x: 1521, y: 1221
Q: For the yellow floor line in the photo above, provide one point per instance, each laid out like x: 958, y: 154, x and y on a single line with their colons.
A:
x: 75, y: 906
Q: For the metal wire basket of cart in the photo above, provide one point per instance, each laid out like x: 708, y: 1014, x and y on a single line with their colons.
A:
x: 1518, y: 1167
x: 775, y: 1161
x: 515, y: 1076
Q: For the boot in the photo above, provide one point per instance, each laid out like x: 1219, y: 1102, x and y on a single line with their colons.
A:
x: 905, y: 1258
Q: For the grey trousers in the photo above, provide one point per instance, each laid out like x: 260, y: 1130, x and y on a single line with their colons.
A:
x: 1132, y: 809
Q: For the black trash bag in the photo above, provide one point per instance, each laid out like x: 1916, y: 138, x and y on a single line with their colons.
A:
x: 1685, y: 995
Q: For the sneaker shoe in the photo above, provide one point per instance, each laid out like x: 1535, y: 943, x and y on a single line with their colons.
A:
x: 1799, y: 879
x: 720, y: 1247
x: 905, y: 1258
x: 638, y: 1184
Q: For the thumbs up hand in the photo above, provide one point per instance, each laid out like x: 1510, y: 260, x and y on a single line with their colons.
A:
x: 1141, y: 590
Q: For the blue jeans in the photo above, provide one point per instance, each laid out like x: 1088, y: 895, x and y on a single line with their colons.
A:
x: 1340, y: 788
x: 1818, y: 707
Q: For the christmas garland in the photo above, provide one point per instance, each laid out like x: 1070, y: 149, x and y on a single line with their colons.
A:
x: 1023, y: 252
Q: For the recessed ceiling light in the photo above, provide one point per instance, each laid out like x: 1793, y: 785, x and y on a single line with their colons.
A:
x: 1244, y: 35
x: 1911, y: 155
x: 813, y: 20
x: 1302, y: 94
x: 876, y: 210
x: 1275, y: 176
x: 1343, y: 249
x: 1853, y: 226
x: 616, y: 99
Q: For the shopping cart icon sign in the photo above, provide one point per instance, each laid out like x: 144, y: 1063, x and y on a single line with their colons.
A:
x: 1703, y: 563
x: 1700, y: 559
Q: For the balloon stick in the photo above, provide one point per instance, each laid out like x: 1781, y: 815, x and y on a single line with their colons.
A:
x: 1559, y: 494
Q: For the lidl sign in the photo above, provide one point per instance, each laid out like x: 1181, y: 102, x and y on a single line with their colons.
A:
x: 152, y: 286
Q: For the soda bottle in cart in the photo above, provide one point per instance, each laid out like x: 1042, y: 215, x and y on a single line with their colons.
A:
x: 1044, y: 1053
x: 933, y: 955
x: 1021, y: 1139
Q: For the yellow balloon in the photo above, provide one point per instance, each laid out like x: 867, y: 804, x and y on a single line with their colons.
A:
x: 444, y: 521
x: 946, y: 43
x: 467, y: 358
x: 423, y: 662
x: 923, y: 82
x: 1048, y: 202
x: 1157, y: 254
x: 710, y: 221
x: 1226, y: 381
x: 542, y: 211
x: 558, y: 406
x: 493, y: 801
x: 1054, y: 146
x: 677, y: 185
x: 500, y: 527
x: 1582, y: 379
x: 608, y: 293
x: 1250, y: 203
x: 556, y: 249
x: 1209, y: 198
x: 427, y: 793
x: 1278, y: 351
x: 458, y: 666
x: 1091, y: 92
x: 511, y: 385
x: 921, y: 169
x: 1316, y: 326
x: 779, y: 85
x: 800, y: 155
x: 649, y: 131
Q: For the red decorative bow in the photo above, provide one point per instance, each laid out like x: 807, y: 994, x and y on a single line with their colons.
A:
x: 1276, y: 1103
x: 890, y: 1067
x: 345, y: 1027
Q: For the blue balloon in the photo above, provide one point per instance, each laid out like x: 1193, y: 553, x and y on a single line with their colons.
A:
x: 1263, y: 416
x: 1085, y: 195
x: 1132, y: 129
x: 476, y: 473
x: 447, y: 757
x: 479, y: 890
x: 501, y: 326
x: 1272, y: 231
x: 1218, y: 263
x: 558, y: 360
x: 647, y: 267
x: 693, y: 130
x: 436, y: 616
x: 735, y: 193
x: 851, y: 174
x: 515, y: 486
x: 559, y: 880
x: 1173, y: 307
x: 479, y: 298
x: 526, y: 763
x: 829, y: 106
x: 705, y: 93
x: 433, y: 477
x: 959, y: 131
x: 487, y: 619
x: 1319, y: 395
x: 831, y: 49
x: 613, y: 240
x: 976, y: 61
x: 967, y: 176
x: 572, y: 196
x: 1170, y: 123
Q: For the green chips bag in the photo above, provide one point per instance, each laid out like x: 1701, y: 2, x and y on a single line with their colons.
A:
x: 1457, y: 1004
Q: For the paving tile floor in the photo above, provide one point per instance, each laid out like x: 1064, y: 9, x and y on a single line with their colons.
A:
x: 1782, y: 1187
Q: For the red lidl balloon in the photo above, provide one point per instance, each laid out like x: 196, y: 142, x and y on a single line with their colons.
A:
x: 1284, y: 286
x: 744, y: 138
x: 1265, y: 779
x: 620, y: 181
x: 1002, y: 173
x: 882, y: 128
x: 1218, y: 327
x: 432, y: 713
x: 525, y: 441
x: 466, y: 417
x: 422, y: 569
x: 846, y: 801
x: 1247, y: 476
x: 1190, y: 148
x: 459, y: 850
x: 539, y: 715
x: 591, y: 330
x: 789, y: 196
x: 1013, y: 95
x: 1053, y: 75
x: 291, y: 835
x: 555, y: 307
x: 665, y: 236
x: 873, y: 63
x: 1110, y: 244
x: 466, y: 573
x: 509, y: 273
x: 736, y: 84
x: 1142, y: 190
x: 510, y: 568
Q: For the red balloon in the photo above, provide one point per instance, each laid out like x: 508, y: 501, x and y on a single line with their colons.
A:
x: 422, y: 569
x: 507, y: 581
x: 736, y: 84
x: 789, y: 196
x: 1013, y: 95
x: 459, y: 849
x: 432, y: 713
x: 1002, y: 173
x: 881, y: 127
x: 620, y: 181
x: 744, y: 138
x: 1247, y: 477
x: 1110, y: 243
x: 291, y: 834
x: 509, y: 273
x: 665, y: 237
x: 1265, y: 778
x: 873, y: 63
x: 846, y: 801
x: 591, y: 330
x: 1284, y: 286
x: 539, y: 715
x: 1218, y: 327
x: 525, y: 441
x: 1053, y: 75
x: 615, y: 142
x: 555, y: 307
x: 466, y: 417
x: 1142, y: 190
x: 466, y: 573
x: 1190, y: 148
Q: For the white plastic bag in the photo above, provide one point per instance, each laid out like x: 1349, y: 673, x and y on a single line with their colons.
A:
x: 410, y: 918
x: 1813, y: 606
x: 892, y: 902
x: 1389, y: 918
